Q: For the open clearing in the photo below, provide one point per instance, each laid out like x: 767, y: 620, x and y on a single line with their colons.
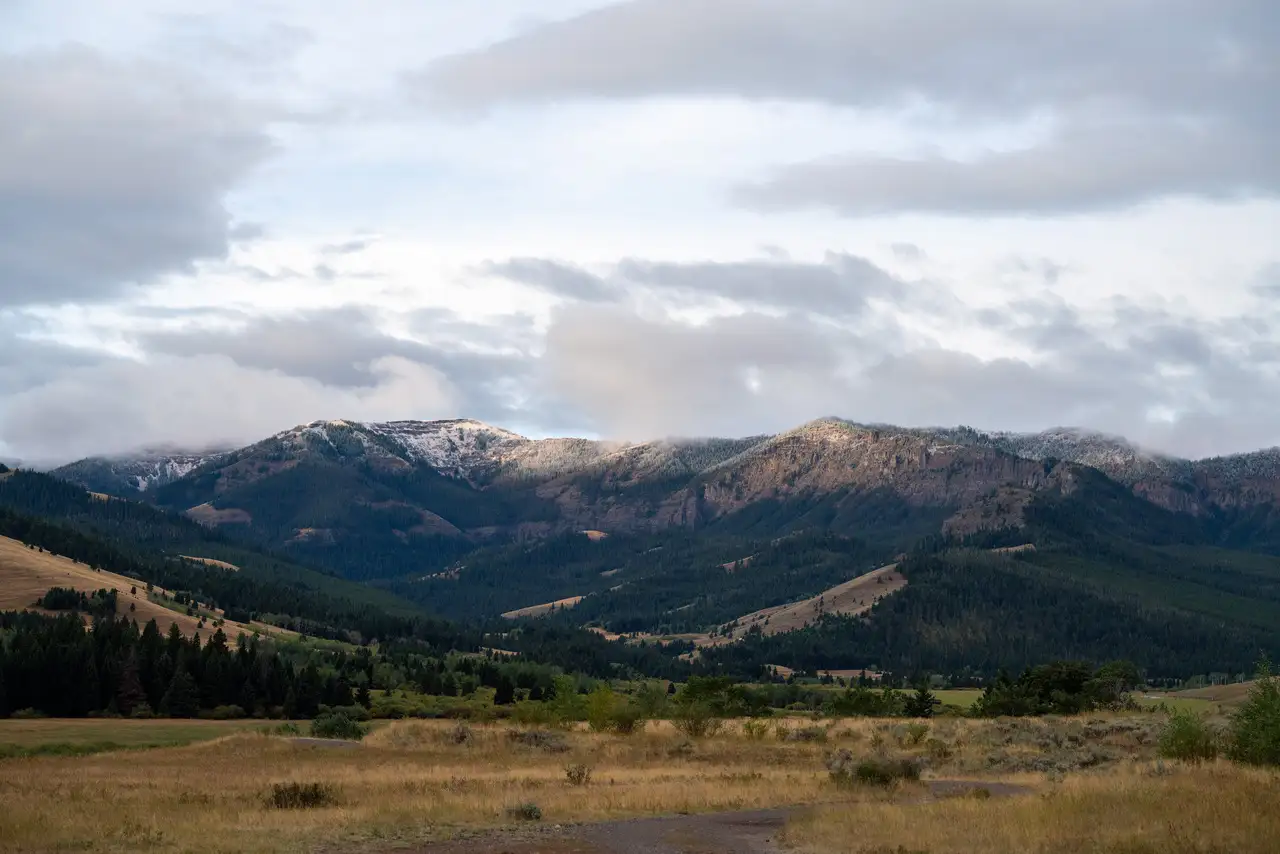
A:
x: 208, y: 561
x: 544, y: 608
x: 27, y: 574
x: 849, y: 599
x: 413, y: 783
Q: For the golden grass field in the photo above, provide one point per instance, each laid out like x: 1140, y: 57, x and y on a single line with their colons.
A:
x: 26, y: 575
x: 543, y: 609
x: 1140, y: 809
x: 414, y: 781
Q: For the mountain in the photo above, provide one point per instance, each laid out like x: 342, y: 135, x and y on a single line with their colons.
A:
x: 130, y: 476
x: 1092, y: 541
x: 388, y: 499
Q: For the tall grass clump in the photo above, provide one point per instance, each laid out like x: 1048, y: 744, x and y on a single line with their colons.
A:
x: 301, y: 796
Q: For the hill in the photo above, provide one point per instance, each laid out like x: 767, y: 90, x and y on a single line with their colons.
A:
x: 27, y: 574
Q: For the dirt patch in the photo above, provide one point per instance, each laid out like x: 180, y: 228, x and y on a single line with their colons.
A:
x: 753, y: 832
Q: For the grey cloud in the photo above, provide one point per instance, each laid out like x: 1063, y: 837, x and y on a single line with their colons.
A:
x: 1081, y: 170
x: 1185, y: 385
x: 908, y: 252
x: 644, y: 378
x: 345, y: 349
x: 555, y: 278
x: 839, y: 286
x: 112, y: 174
x: 348, y: 247
x: 1150, y: 97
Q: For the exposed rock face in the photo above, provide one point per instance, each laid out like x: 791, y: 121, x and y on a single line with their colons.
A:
x: 974, y: 480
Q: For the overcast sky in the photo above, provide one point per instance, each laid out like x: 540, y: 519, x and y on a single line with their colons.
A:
x: 638, y: 219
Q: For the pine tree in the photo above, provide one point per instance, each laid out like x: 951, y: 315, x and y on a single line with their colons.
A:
x: 921, y: 704
x: 130, y: 695
x: 182, y: 700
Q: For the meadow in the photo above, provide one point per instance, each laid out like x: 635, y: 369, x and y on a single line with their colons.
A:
x: 411, y: 782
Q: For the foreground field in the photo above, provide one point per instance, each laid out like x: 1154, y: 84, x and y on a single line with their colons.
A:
x: 21, y: 737
x: 1139, y: 810
x: 412, y: 782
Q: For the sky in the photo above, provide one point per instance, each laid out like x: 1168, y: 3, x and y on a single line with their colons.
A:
x: 638, y: 219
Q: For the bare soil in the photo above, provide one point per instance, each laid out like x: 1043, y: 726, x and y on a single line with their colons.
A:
x: 752, y: 832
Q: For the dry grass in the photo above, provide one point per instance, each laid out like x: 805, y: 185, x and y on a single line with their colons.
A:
x: 414, y: 781
x: 120, y: 731
x: 850, y: 598
x: 1137, y: 810
x: 409, y: 781
x: 208, y: 561
x: 27, y: 574
x: 543, y: 609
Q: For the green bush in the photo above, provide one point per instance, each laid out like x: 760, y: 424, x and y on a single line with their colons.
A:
x: 1254, y: 736
x: 1188, y: 737
x: 301, y: 796
x: 696, y: 719
x: 883, y: 771
x: 338, y: 726
x: 525, y: 812
x: 756, y: 730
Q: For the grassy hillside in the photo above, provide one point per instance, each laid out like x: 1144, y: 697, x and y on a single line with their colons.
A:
x: 26, y: 574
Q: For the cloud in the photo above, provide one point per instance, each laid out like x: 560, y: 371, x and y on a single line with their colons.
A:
x: 641, y: 378
x: 201, y: 401
x: 344, y: 349
x: 556, y: 278
x: 1080, y: 170
x: 1142, y: 99
x: 840, y: 285
x: 113, y: 174
x: 1194, y: 386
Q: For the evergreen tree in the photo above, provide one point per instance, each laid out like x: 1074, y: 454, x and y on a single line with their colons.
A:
x: 182, y: 699
x: 130, y: 695
x: 922, y: 703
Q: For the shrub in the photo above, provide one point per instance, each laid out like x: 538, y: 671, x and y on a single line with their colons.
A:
x: 301, y: 796
x: 461, y: 734
x: 600, y: 708
x: 628, y: 718
x: 225, y: 713
x: 756, y: 730
x: 577, y: 775
x: 552, y: 742
x: 1187, y: 737
x: 288, y: 728
x: 883, y: 771
x: 525, y: 812
x: 911, y: 735
x: 696, y: 720
x: 337, y: 726
x: 809, y: 734
x: 938, y: 749
x: 1254, y: 737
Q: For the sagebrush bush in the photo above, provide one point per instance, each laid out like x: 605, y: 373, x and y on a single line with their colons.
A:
x: 1189, y: 738
x: 525, y: 812
x: 578, y: 774
x: 848, y: 771
x: 461, y: 734
x: 301, y: 796
x: 756, y: 730
x: 338, y: 726
x: 548, y: 740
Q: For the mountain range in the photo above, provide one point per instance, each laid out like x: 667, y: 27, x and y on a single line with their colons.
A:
x: 1011, y: 548
x: 466, y: 478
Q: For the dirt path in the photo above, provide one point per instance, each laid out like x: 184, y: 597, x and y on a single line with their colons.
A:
x: 752, y: 832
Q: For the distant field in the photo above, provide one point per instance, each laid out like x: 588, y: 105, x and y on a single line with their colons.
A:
x: 543, y: 609
x: 960, y: 697
x: 27, y: 574
x: 60, y: 736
